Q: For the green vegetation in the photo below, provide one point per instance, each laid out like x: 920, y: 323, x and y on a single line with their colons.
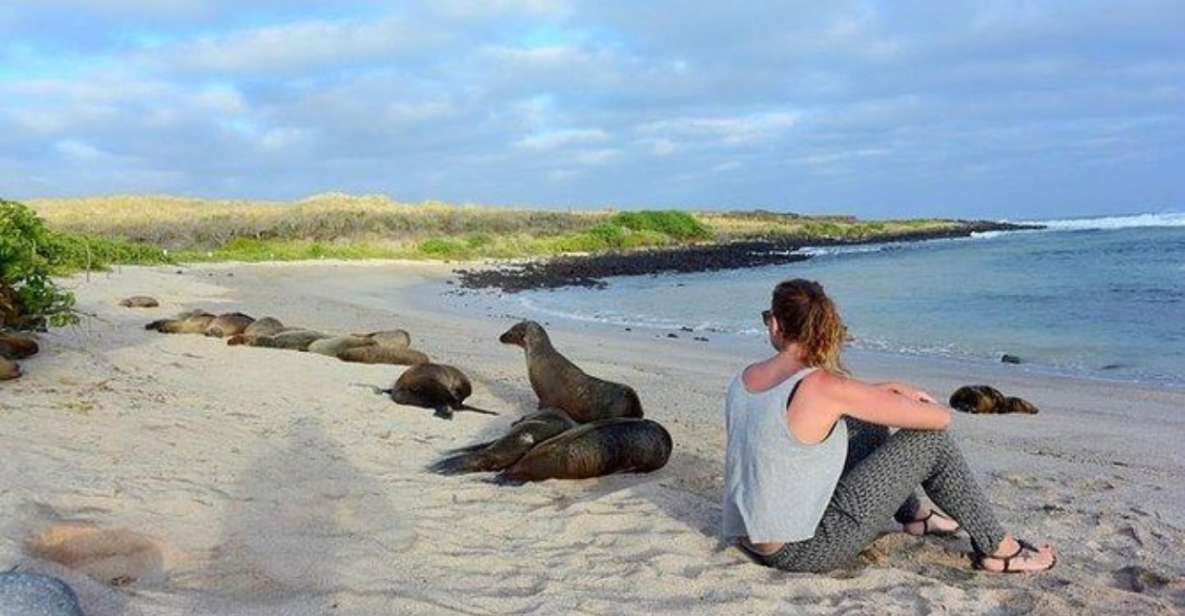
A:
x: 31, y: 254
x: 28, y: 253
x: 139, y: 229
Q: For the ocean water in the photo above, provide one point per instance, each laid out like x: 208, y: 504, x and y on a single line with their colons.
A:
x: 1099, y: 297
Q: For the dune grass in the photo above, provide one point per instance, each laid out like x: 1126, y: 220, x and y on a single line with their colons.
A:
x: 151, y: 229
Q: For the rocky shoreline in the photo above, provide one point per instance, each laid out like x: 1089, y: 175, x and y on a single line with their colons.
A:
x: 590, y: 271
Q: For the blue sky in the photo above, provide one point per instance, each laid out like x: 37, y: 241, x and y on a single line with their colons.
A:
x: 973, y: 109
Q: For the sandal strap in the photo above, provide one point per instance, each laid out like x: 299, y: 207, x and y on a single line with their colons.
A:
x: 926, y: 522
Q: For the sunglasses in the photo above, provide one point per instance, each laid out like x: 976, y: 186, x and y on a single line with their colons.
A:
x: 767, y: 316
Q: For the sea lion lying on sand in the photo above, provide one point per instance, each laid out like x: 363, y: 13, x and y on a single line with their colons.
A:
x: 265, y: 326
x: 500, y: 453
x: 289, y: 339
x: 229, y: 324
x: 189, y: 322
x: 433, y: 386
x: 394, y: 338
x: 139, y: 301
x: 376, y: 354
x: 986, y: 400
x: 594, y: 450
x: 561, y: 384
x: 9, y: 369
x: 13, y: 346
x: 335, y: 345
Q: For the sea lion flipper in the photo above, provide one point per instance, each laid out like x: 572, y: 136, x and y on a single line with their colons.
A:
x: 375, y: 388
x: 444, y: 412
x: 470, y: 448
x: 466, y: 407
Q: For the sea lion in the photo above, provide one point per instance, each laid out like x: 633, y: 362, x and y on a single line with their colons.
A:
x: 139, y: 301
x: 1017, y: 405
x: 292, y: 340
x: 9, y: 369
x: 987, y: 400
x: 229, y: 324
x: 17, y: 347
x: 561, y: 384
x: 189, y: 322
x: 335, y: 345
x: 265, y: 326
x: 433, y: 386
x: 978, y: 399
x: 595, y: 449
x: 498, y: 454
x: 376, y: 354
x: 394, y: 338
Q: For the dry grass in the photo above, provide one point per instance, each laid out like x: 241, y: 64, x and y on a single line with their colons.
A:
x: 177, y: 223
x: 345, y: 226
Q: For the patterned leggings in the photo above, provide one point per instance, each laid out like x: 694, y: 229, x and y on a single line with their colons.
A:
x: 879, y: 478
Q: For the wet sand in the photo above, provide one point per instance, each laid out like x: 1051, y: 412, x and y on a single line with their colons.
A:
x: 207, y: 479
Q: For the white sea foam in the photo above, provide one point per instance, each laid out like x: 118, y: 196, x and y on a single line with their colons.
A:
x: 817, y: 251
x: 1173, y: 219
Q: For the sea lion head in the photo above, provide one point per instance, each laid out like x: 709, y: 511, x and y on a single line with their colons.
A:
x: 524, y: 334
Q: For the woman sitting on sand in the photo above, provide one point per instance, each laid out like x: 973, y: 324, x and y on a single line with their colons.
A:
x: 811, y: 472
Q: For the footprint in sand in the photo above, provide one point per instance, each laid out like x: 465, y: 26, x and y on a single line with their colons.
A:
x: 113, y: 556
x: 1145, y: 581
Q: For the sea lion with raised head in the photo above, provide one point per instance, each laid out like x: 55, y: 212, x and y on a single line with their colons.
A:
x: 189, y: 322
x: 139, y: 301
x: 229, y: 324
x: 9, y: 369
x: 595, y: 449
x: 395, y: 338
x: 433, y: 386
x: 500, y: 453
x: 335, y: 345
x: 376, y: 354
x: 13, y: 346
x: 292, y: 340
x: 987, y: 400
x: 561, y: 384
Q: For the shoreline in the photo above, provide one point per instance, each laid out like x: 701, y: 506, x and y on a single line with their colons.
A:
x: 270, y: 485
x: 589, y: 271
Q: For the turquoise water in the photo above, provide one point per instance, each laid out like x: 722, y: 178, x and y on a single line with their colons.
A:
x: 1102, y: 297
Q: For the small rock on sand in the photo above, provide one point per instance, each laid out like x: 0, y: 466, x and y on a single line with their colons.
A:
x: 139, y: 301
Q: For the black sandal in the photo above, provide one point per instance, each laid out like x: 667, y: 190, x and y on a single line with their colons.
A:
x: 977, y: 561
x: 937, y: 533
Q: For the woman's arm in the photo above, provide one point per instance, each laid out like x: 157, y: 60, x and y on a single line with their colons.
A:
x: 909, y: 391
x: 880, y: 405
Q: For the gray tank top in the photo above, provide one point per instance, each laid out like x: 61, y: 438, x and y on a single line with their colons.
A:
x: 775, y: 487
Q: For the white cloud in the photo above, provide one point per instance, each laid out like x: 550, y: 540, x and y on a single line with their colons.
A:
x: 553, y: 139
x: 299, y: 46
x: 79, y: 150
x: 729, y: 130
x: 598, y: 157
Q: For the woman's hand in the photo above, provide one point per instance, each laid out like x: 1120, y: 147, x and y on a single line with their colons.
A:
x: 908, y: 391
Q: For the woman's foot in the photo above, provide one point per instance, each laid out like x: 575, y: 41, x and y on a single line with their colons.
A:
x: 1017, y: 556
x: 930, y: 522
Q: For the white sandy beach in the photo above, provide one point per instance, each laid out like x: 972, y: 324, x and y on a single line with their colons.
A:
x: 269, y: 484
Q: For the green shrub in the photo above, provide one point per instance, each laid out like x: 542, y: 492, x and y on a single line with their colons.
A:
x: 29, y: 254
x: 672, y: 223
x: 445, y: 248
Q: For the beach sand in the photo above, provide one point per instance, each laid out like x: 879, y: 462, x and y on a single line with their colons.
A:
x: 207, y: 479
